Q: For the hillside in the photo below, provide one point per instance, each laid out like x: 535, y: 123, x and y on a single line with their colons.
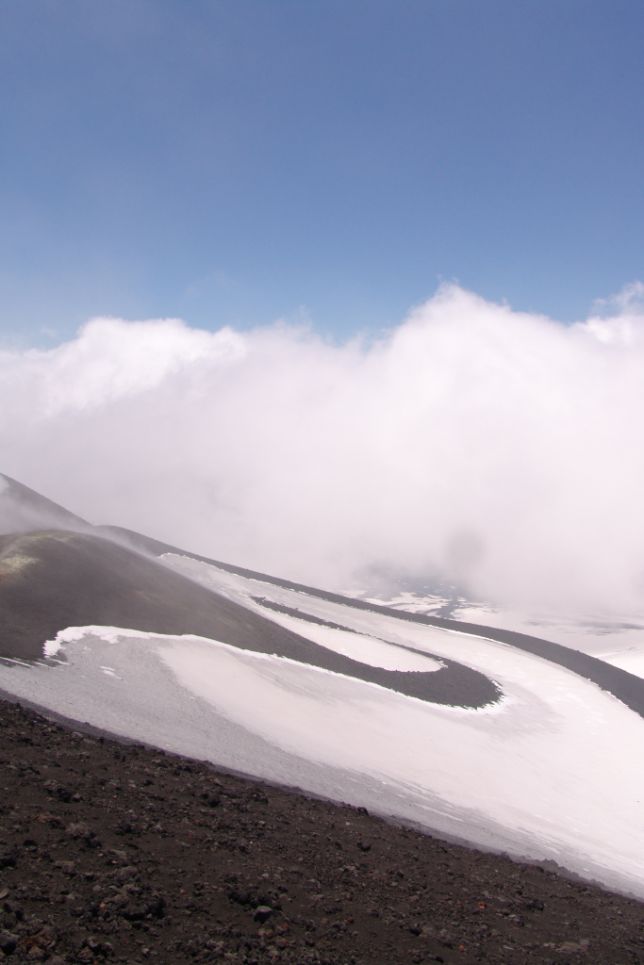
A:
x: 117, y: 853
x: 113, y: 852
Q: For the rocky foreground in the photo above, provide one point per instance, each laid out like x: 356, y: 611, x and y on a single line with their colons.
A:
x: 118, y: 853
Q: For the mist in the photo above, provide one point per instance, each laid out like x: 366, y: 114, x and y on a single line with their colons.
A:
x: 495, y: 448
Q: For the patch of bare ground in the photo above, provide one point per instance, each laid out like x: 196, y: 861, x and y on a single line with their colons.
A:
x: 118, y: 853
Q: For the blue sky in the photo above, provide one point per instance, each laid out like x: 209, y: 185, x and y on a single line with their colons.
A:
x: 236, y: 161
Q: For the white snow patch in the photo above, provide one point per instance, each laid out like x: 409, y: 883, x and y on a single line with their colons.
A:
x: 362, y: 647
x: 74, y: 634
x: 358, y: 646
x: 555, y: 764
x: 631, y: 660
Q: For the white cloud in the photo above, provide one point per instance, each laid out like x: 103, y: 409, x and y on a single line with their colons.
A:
x: 498, y: 444
x: 629, y: 299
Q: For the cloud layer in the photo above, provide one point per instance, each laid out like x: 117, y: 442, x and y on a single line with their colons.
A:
x: 502, y: 448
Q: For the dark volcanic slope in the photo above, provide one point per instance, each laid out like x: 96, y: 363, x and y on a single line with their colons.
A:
x: 623, y: 685
x: 23, y: 509
x: 55, y: 579
x: 114, y: 853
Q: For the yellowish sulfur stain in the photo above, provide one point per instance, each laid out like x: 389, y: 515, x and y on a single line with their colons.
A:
x: 15, y: 563
x: 14, y: 560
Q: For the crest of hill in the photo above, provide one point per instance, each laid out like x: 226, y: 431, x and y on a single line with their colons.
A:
x: 23, y: 509
x: 74, y: 574
x: 53, y: 579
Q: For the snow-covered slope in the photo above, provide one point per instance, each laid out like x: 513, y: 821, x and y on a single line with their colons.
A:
x: 548, y: 770
x: 619, y: 642
x: 489, y: 735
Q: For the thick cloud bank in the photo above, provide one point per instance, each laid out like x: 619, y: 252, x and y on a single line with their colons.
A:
x: 499, y: 447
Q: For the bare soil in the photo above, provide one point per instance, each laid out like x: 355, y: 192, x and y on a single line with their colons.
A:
x: 112, y: 852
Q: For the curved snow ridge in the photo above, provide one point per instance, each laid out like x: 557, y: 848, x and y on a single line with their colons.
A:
x: 441, y: 682
x: 361, y: 653
x: 359, y: 646
x: 52, y: 648
x: 453, y: 683
x: 237, y: 583
x: 550, y: 769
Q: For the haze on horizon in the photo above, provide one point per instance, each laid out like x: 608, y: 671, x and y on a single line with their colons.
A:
x: 493, y: 447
